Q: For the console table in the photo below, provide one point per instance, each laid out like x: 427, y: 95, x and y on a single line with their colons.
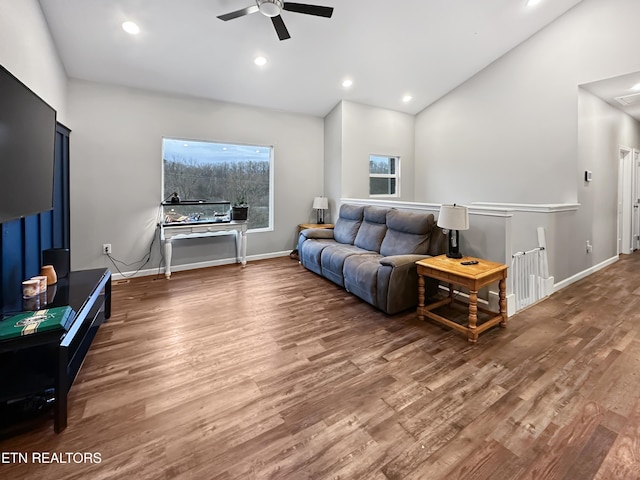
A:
x: 473, y: 277
x: 171, y: 231
x: 33, y: 364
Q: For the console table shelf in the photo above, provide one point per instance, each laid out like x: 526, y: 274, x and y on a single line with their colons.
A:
x: 176, y: 231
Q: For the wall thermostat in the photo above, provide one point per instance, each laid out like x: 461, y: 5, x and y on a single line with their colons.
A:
x: 588, y: 175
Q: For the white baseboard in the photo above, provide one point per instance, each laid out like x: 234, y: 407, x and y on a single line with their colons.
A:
x: 192, y: 266
x: 492, y: 303
x: 585, y: 273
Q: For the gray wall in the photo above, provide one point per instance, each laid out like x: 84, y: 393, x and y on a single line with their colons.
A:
x: 602, y: 130
x: 28, y: 52
x: 333, y: 160
x: 371, y: 130
x: 116, y: 167
x: 510, y: 133
x: 353, y: 132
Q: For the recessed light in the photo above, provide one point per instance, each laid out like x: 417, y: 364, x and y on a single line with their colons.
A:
x: 407, y: 98
x: 131, y: 27
x: 260, y: 61
x: 347, y: 83
x: 531, y: 3
x: 185, y: 145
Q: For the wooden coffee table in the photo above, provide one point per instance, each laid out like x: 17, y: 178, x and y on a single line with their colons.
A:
x: 472, y: 277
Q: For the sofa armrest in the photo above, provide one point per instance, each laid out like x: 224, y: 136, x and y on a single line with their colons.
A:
x: 396, y: 261
x: 438, y: 243
x: 317, y: 233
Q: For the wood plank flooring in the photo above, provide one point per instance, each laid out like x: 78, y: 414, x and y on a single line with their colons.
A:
x: 271, y: 372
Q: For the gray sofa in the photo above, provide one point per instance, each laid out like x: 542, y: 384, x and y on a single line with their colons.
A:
x: 372, y: 253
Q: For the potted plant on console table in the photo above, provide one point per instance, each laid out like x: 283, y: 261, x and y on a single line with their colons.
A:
x: 240, y: 210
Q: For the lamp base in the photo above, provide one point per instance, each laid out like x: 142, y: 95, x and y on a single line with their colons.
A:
x: 452, y: 248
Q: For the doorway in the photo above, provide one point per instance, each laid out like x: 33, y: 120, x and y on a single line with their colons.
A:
x: 628, y: 200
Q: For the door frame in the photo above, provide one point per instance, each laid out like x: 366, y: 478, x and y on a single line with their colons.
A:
x: 625, y: 210
x: 635, y: 201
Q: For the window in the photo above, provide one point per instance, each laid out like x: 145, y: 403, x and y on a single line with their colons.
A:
x: 384, y: 176
x: 211, y: 171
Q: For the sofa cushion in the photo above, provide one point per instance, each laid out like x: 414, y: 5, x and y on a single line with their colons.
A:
x: 333, y: 258
x: 348, y: 223
x: 373, y: 228
x: 361, y: 277
x: 407, y: 233
x: 310, y: 251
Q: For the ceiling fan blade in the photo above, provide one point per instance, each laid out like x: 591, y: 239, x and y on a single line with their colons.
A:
x: 308, y: 9
x: 281, y: 30
x: 239, y: 13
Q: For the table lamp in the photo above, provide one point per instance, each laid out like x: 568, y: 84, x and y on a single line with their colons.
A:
x: 453, y: 218
x: 320, y: 204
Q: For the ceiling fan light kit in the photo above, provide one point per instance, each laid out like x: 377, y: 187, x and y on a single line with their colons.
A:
x: 270, y: 8
x: 273, y: 8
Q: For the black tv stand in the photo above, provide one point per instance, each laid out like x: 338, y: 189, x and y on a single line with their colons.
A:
x: 50, y: 361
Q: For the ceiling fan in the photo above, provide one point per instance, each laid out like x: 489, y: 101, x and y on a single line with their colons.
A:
x: 272, y: 9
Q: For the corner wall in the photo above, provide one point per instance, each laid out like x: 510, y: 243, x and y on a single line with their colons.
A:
x: 510, y: 133
x: 353, y: 132
x: 28, y: 52
x: 333, y: 160
x: 370, y: 130
x: 116, y: 171
x: 602, y: 131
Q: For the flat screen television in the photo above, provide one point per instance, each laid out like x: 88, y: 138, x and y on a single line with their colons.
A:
x: 27, y: 151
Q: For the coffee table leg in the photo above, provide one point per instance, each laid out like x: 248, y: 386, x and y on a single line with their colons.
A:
x: 420, y: 297
x: 473, y: 316
x: 503, y: 302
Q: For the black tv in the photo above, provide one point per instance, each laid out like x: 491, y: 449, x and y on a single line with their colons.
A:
x: 27, y: 150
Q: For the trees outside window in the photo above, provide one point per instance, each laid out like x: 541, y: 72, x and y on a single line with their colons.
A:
x: 214, y: 171
x: 384, y: 176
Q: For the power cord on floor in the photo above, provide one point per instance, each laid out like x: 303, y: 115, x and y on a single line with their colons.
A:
x: 145, y: 259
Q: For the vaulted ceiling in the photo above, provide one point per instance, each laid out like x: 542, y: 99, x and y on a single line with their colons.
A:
x: 420, y: 48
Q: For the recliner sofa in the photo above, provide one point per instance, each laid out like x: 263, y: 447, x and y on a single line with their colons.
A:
x: 372, y: 251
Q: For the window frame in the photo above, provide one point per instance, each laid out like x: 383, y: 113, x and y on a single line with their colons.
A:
x: 269, y: 227
x: 395, y: 176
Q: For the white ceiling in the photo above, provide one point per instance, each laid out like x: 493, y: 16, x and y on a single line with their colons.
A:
x: 621, y: 86
x: 424, y: 48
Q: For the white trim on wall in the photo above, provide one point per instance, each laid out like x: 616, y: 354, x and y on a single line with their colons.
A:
x: 475, y: 208
x: 531, y: 207
x: 392, y: 203
x: 583, y: 274
x: 191, y: 266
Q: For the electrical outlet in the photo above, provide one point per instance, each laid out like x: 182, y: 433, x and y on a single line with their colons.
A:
x: 589, y: 247
x: 106, y: 248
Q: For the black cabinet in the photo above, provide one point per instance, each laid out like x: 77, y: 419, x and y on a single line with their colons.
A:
x: 44, y: 365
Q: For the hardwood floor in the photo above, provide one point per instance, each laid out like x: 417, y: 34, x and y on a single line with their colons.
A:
x: 271, y: 372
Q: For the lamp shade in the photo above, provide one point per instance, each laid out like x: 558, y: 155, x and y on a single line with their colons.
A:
x: 453, y: 217
x: 321, y: 203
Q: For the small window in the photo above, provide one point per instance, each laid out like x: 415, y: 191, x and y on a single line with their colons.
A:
x: 384, y: 176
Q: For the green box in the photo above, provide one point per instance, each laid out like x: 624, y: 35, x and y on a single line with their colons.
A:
x: 29, y: 323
